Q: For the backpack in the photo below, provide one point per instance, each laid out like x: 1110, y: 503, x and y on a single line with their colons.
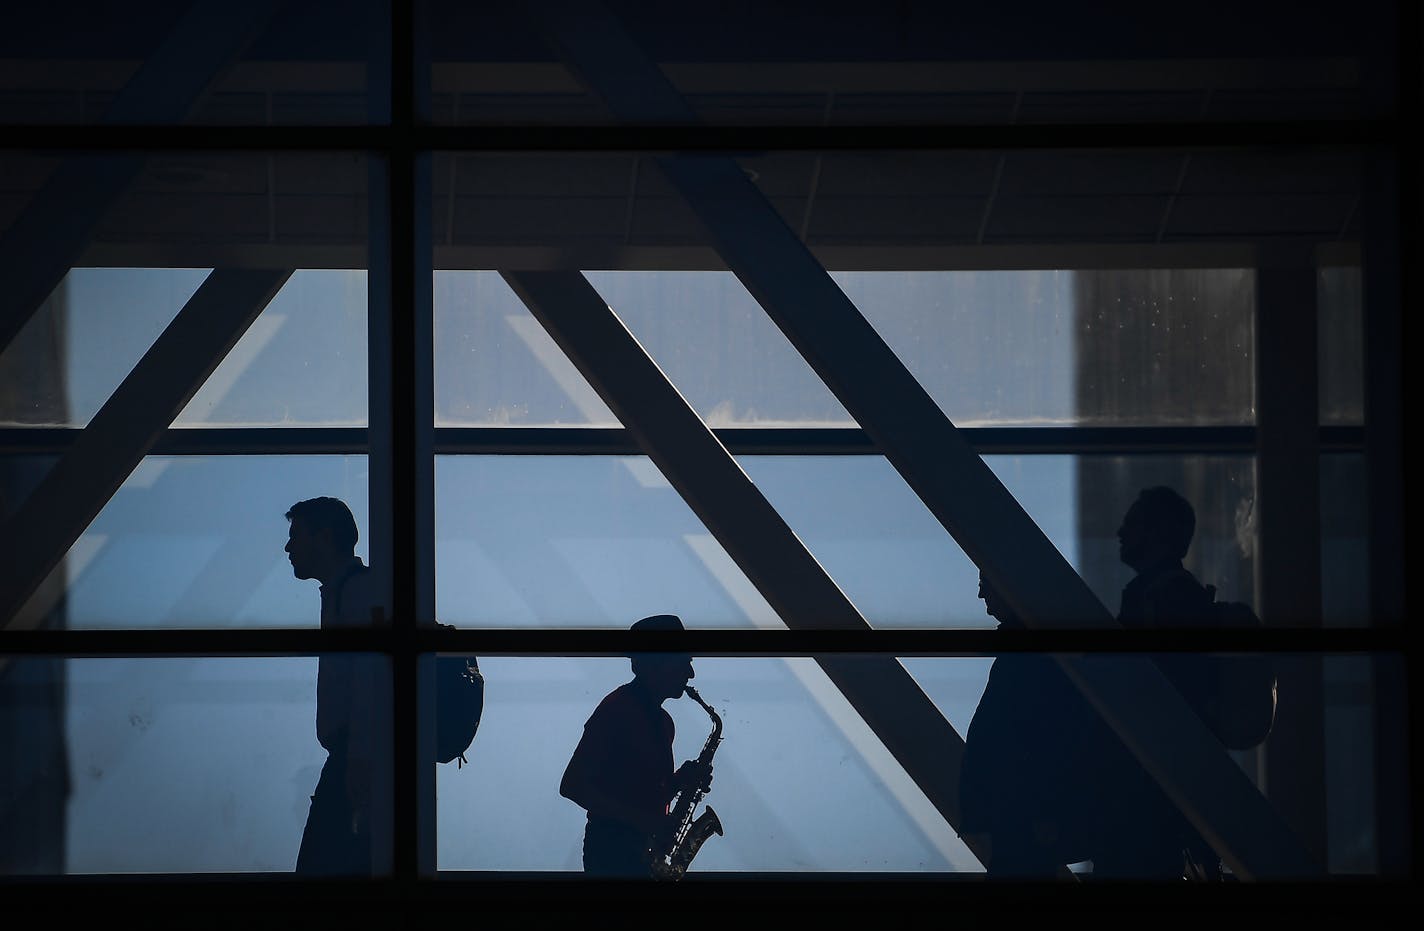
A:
x: 1244, y: 709
x: 459, y: 696
x: 1234, y: 693
x: 459, y: 702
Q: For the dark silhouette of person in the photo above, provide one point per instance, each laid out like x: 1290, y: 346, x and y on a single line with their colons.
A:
x: 348, y: 821
x: 1027, y: 774
x: 1147, y: 835
x: 621, y: 772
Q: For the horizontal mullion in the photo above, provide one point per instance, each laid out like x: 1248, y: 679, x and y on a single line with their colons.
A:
x: 747, y: 441
x: 700, y: 642
x: 711, y: 138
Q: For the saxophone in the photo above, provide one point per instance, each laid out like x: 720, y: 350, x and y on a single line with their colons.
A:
x: 672, y: 861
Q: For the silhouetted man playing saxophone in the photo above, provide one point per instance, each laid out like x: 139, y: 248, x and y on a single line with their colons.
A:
x: 622, y: 773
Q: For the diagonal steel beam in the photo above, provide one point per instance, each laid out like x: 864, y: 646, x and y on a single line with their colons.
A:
x: 828, y: 330
x: 1152, y: 719
x: 47, y: 238
x: 752, y: 532
x: 45, y: 526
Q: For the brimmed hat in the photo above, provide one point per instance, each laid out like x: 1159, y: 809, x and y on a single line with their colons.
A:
x: 659, y: 622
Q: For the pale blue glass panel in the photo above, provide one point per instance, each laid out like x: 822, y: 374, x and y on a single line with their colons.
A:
x: 198, y: 542
x: 85, y: 338
x: 601, y: 541
x: 718, y: 346
x: 185, y: 765
x: 801, y: 784
x: 991, y: 347
x: 302, y: 362
x: 884, y: 548
x: 577, y: 541
x: 496, y: 366
x: 112, y: 316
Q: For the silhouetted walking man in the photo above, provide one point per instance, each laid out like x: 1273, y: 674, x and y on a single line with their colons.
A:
x: 349, y: 813
x: 1026, y: 779
x: 621, y: 772
x: 1149, y: 838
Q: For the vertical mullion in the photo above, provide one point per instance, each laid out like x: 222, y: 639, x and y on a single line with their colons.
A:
x: 400, y: 351
x: 1390, y: 219
x: 402, y: 348
x: 1288, y: 505
x: 380, y: 405
x: 412, y: 448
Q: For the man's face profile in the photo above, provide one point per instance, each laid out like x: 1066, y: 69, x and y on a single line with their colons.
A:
x: 1132, y: 536
x: 666, y: 673
x: 302, y: 549
x: 994, y: 604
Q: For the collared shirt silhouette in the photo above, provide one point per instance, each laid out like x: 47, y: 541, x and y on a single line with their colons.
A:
x: 621, y: 772
x: 348, y: 820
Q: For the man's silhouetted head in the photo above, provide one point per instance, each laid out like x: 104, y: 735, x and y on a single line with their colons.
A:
x: 321, y: 539
x: 1158, y: 527
x: 664, y: 674
x: 995, y: 605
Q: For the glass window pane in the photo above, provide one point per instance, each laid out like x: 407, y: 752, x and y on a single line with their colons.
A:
x: 802, y: 784
x: 151, y: 787
x: 496, y: 366
x: 1165, y: 347
x: 160, y: 223
x: 577, y: 541
x: 720, y: 349
x: 198, y: 542
x: 301, y: 362
x: 600, y: 541
x: 882, y: 546
x: 1043, y: 287
x: 993, y: 348
x: 1222, y: 492
x: 793, y: 747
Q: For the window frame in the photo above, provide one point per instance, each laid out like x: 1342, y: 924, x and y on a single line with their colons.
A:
x: 403, y: 440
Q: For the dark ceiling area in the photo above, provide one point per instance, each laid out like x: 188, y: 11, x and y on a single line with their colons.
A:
x: 742, y: 63
x: 739, y: 65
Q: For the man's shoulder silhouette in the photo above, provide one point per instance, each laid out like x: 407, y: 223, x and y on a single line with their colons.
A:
x: 1168, y: 596
x: 356, y: 594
